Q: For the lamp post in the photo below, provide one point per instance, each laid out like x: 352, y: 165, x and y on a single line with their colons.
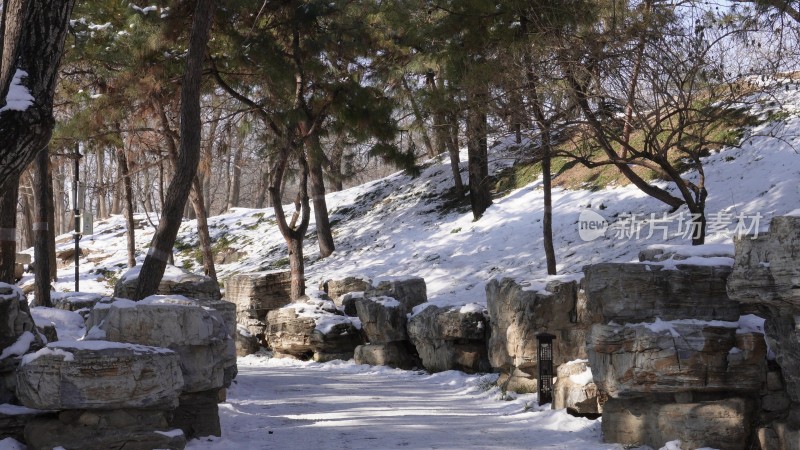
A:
x: 545, y: 363
x: 77, y: 205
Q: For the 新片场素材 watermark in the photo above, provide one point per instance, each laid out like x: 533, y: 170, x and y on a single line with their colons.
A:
x: 630, y: 226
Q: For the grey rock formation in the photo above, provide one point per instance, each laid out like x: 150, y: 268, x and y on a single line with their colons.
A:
x: 634, y: 360
x: 767, y: 269
x: 198, y: 335
x: 101, y: 430
x: 312, y: 328
x: 246, y: 342
x: 392, y: 354
x: 631, y: 293
x: 255, y: 294
x: 447, y: 339
x: 576, y: 391
x: 409, y: 291
x: 383, y: 319
x: 99, y: 375
x: 197, y: 414
x: 13, y: 419
x: 18, y: 336
x: 347, y: 303
x: 176, y: 281
x: 74, y: 301
x: 724, y: 424
x: 517, y: 316
x: 337, y: 288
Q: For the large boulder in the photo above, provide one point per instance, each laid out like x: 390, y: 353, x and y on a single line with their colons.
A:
x: 337, y: 288
x: 97, y: 430
x: 409, y: 291
x: 767, y: 268
x: 674, y: 357
x: 257, y: 293
x: 176, y: 281
x: 197, y: 414
x: 517, y: 315
x: 724, y: 424
x: 99, y: 375
x: 451, y: 338
x: 383, y: 319
x: 393, y: 354
x: 197, y: 334
x: 13, y: 419
x: 313, y: 328
x: 77, y: 301
x: 18, y: 336
x: 575, y: 391
x: 633, y: 292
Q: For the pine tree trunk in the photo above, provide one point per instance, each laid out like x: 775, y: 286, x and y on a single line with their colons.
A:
x: 25, y: 229
x: 35, y: 33
x: 51, y: 222
x: 102, y: 206
x: 324, y: 233
x: 127, y: 184
x: 198, y: 203
x: 236, y: 176
x: 443, y: 142
x: 335, y: 174
x: 8, y: 229
x: 42, y: 230
x: 186, y: 168
x: 477, y: 149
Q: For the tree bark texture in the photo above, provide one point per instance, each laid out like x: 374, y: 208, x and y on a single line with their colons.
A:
x: 317, y: 184
x: 477, y: 149
x: 41, y: 228
x: 8, y: 229
x: 40, y: 44
x: 186, y: 168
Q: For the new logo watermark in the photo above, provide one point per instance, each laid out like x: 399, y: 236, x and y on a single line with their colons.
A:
x: 629, y: 226
x: 591, y: 225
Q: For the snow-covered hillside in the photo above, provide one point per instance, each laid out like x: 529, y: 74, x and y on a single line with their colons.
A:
x: 401, y: 225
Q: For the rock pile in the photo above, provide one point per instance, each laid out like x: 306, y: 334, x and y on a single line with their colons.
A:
x: 312, y: 328
x: 766, y: 276
x: 517, y: 315
x: 103, y: 395
x: 673, y: 354
x: 197, y: 334
x: 176, y: 281
x: 255, y: 295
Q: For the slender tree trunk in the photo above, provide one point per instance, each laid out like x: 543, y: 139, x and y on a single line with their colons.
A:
x: 102, y: 205
x: 477, y: 148
x: 324, y: 233
x: 419, y: 119
x: 186, y: 169
x: 335, y: 174
x: 263, y: 190
x: 236, y: 176
x: 547, y: 219
x: 442, y: 131
x: 26, y: 210
x: 41, y: 229
x: 8, y: 229
x: 50, y: 200
x: 122, y: 163
x: 199, y: 205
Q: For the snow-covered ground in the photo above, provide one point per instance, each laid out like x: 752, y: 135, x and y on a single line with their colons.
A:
x: 287, y: 404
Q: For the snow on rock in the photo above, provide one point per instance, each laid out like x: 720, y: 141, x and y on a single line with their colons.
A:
x: 18, y: 348
x: 69, y: 324
x: 11, y: 444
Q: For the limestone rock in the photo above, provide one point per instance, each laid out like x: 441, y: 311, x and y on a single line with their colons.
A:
x: 383, y: 319
x: 337, y: 288
x: 246, y: 342
x: 255, y: 294
x: 13, y: 419
x: 74, y: 301
x: 312, y: 328
x: 575, y: 390
x: 347, y: 303
x: 198, y: 414
x: 198, y: 335
x: 767, y: 269
x: 409, y: 291
x: 447, y: 339
x: 634, y: 359
x: 101, y: 430
x: 15, y: 314
x: 723, y: 424
x: 99, y: 375
x: 176, y: 281
x: 517, y: 316
x: 631, y: 293
x: 392, y: 354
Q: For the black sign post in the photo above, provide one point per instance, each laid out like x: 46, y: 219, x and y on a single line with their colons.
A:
x: 546, y: 373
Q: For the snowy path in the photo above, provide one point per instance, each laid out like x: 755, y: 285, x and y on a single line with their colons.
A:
x: 285, y: 404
